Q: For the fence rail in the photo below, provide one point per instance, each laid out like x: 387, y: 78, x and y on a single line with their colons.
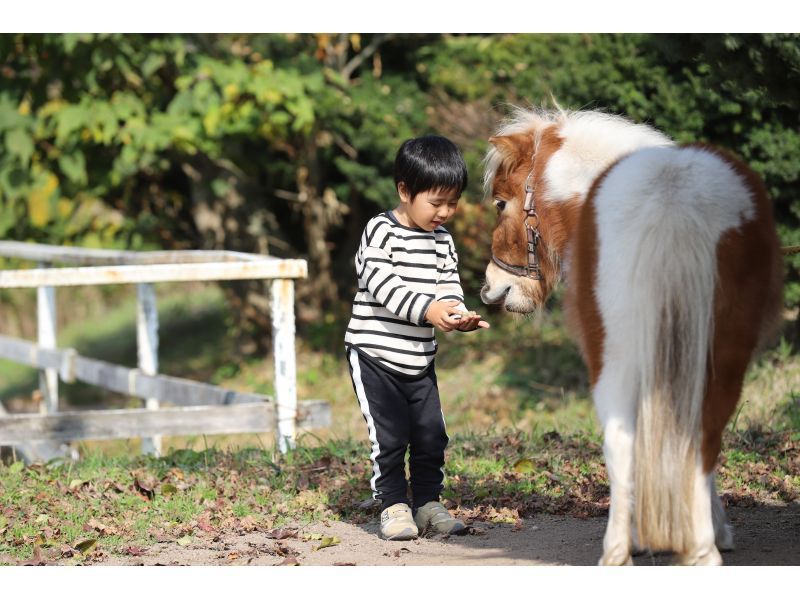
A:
x: 201, y: 408
x: 72, y: 367
x: 169, y: 421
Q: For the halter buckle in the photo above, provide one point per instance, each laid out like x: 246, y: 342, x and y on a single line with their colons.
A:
x: 528, y: 187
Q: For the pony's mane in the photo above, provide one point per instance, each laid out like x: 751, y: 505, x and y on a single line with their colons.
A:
x: 597, y: 135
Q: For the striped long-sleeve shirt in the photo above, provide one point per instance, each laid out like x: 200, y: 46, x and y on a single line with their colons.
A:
x: 401, y: 270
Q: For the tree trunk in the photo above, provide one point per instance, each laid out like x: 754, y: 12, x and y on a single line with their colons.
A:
x: 320, y: 290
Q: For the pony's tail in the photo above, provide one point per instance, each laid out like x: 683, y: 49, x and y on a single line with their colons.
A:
x: 672, y: 347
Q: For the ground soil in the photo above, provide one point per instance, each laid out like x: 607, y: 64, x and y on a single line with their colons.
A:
x: 765, y: 535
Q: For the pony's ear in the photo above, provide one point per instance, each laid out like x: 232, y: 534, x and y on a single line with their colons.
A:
x: 513, y: 147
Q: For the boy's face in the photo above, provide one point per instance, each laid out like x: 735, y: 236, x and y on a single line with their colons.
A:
x: 431, y: 208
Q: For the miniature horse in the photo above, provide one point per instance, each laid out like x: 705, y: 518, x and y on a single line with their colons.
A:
x: 673, y: 276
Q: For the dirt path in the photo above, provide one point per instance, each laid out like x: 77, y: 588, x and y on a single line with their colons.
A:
x: 765, y: 535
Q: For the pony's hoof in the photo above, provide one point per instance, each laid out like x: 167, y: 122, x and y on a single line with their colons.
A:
x: 724, y: 538
x: 616, y: 558
x: 705, y: 558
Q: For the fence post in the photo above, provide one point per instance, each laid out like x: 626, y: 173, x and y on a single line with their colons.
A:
x: 283, y: 331
x: 46, y: 337
x: 147, y: 347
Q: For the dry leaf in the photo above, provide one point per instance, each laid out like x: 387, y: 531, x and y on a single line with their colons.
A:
x: 289, y: 562
x: 281, y: 533
x: 327, y: 542
x: 524, y: 466
x: 85, y: 546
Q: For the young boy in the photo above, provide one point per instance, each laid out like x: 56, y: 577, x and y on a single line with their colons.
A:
x: 408, y: 285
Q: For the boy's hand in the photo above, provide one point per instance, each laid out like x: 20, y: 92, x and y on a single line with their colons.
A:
x: 470, y: 321
x: 439, y: 314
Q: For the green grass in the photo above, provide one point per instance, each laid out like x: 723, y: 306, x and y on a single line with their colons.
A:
x: 135, y: 501
x: 524, y: 438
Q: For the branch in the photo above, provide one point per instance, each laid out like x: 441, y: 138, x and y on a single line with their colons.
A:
x: 356, y: 61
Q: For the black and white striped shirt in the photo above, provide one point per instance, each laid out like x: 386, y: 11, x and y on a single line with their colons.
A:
x: 401, y: 270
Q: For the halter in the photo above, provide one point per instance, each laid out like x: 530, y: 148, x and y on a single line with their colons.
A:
x: 531, y: 270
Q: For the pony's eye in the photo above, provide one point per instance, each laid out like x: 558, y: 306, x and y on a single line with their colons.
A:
x: 500, y: 204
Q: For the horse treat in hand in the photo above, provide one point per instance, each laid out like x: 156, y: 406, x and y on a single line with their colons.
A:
x: 465, y: 314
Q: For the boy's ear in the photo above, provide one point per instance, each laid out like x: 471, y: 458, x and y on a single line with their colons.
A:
x: 402, y: 191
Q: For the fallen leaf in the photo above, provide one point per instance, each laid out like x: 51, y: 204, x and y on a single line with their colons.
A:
x: 204, y: 523
x: 289, y: 562
x: 282, y: 550
x: 281, y: 533
x: 524, y: 466
x: 77, y: 484
x: 184, y: 541
x: 85, y: 545
x: 327, y: 542
x: 145, y: 487
x: 102, y: 529
x: 116, y: 487
x: 134, y: 550
x: 312, y: 537
x: 248, y: 523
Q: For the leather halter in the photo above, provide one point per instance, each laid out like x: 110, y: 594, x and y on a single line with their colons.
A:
x: 531, y: 270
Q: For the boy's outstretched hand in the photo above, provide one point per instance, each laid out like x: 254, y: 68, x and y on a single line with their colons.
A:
x: 471, y: 321
x: 441, y: 315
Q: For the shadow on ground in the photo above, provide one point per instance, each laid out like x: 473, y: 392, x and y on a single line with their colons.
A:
x: 766, y: 535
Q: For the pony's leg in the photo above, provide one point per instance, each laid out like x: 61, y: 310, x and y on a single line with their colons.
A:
x: 703, y: 549
x: 723, y: 531
x: 616, y: 408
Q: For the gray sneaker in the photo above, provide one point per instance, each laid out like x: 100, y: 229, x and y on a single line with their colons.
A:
x: 397, y: 523
x: 434, y: 516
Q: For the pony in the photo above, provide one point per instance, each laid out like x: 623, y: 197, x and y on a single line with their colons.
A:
x: 673, y: 281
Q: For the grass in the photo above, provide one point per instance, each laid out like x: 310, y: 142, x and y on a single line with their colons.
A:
x: 127, y: 503
x: 524, y: 438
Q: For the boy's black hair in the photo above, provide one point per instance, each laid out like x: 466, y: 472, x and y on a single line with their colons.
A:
x: 430, y: 162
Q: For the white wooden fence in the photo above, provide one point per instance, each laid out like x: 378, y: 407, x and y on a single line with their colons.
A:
x: 200, y: 408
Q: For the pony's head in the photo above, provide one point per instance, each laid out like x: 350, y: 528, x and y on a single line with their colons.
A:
x: 538, y: 172
x: 527, y: 238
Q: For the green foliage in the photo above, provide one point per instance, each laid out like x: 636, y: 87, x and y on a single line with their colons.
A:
x: 200, y: 140
x: 733, y: 90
